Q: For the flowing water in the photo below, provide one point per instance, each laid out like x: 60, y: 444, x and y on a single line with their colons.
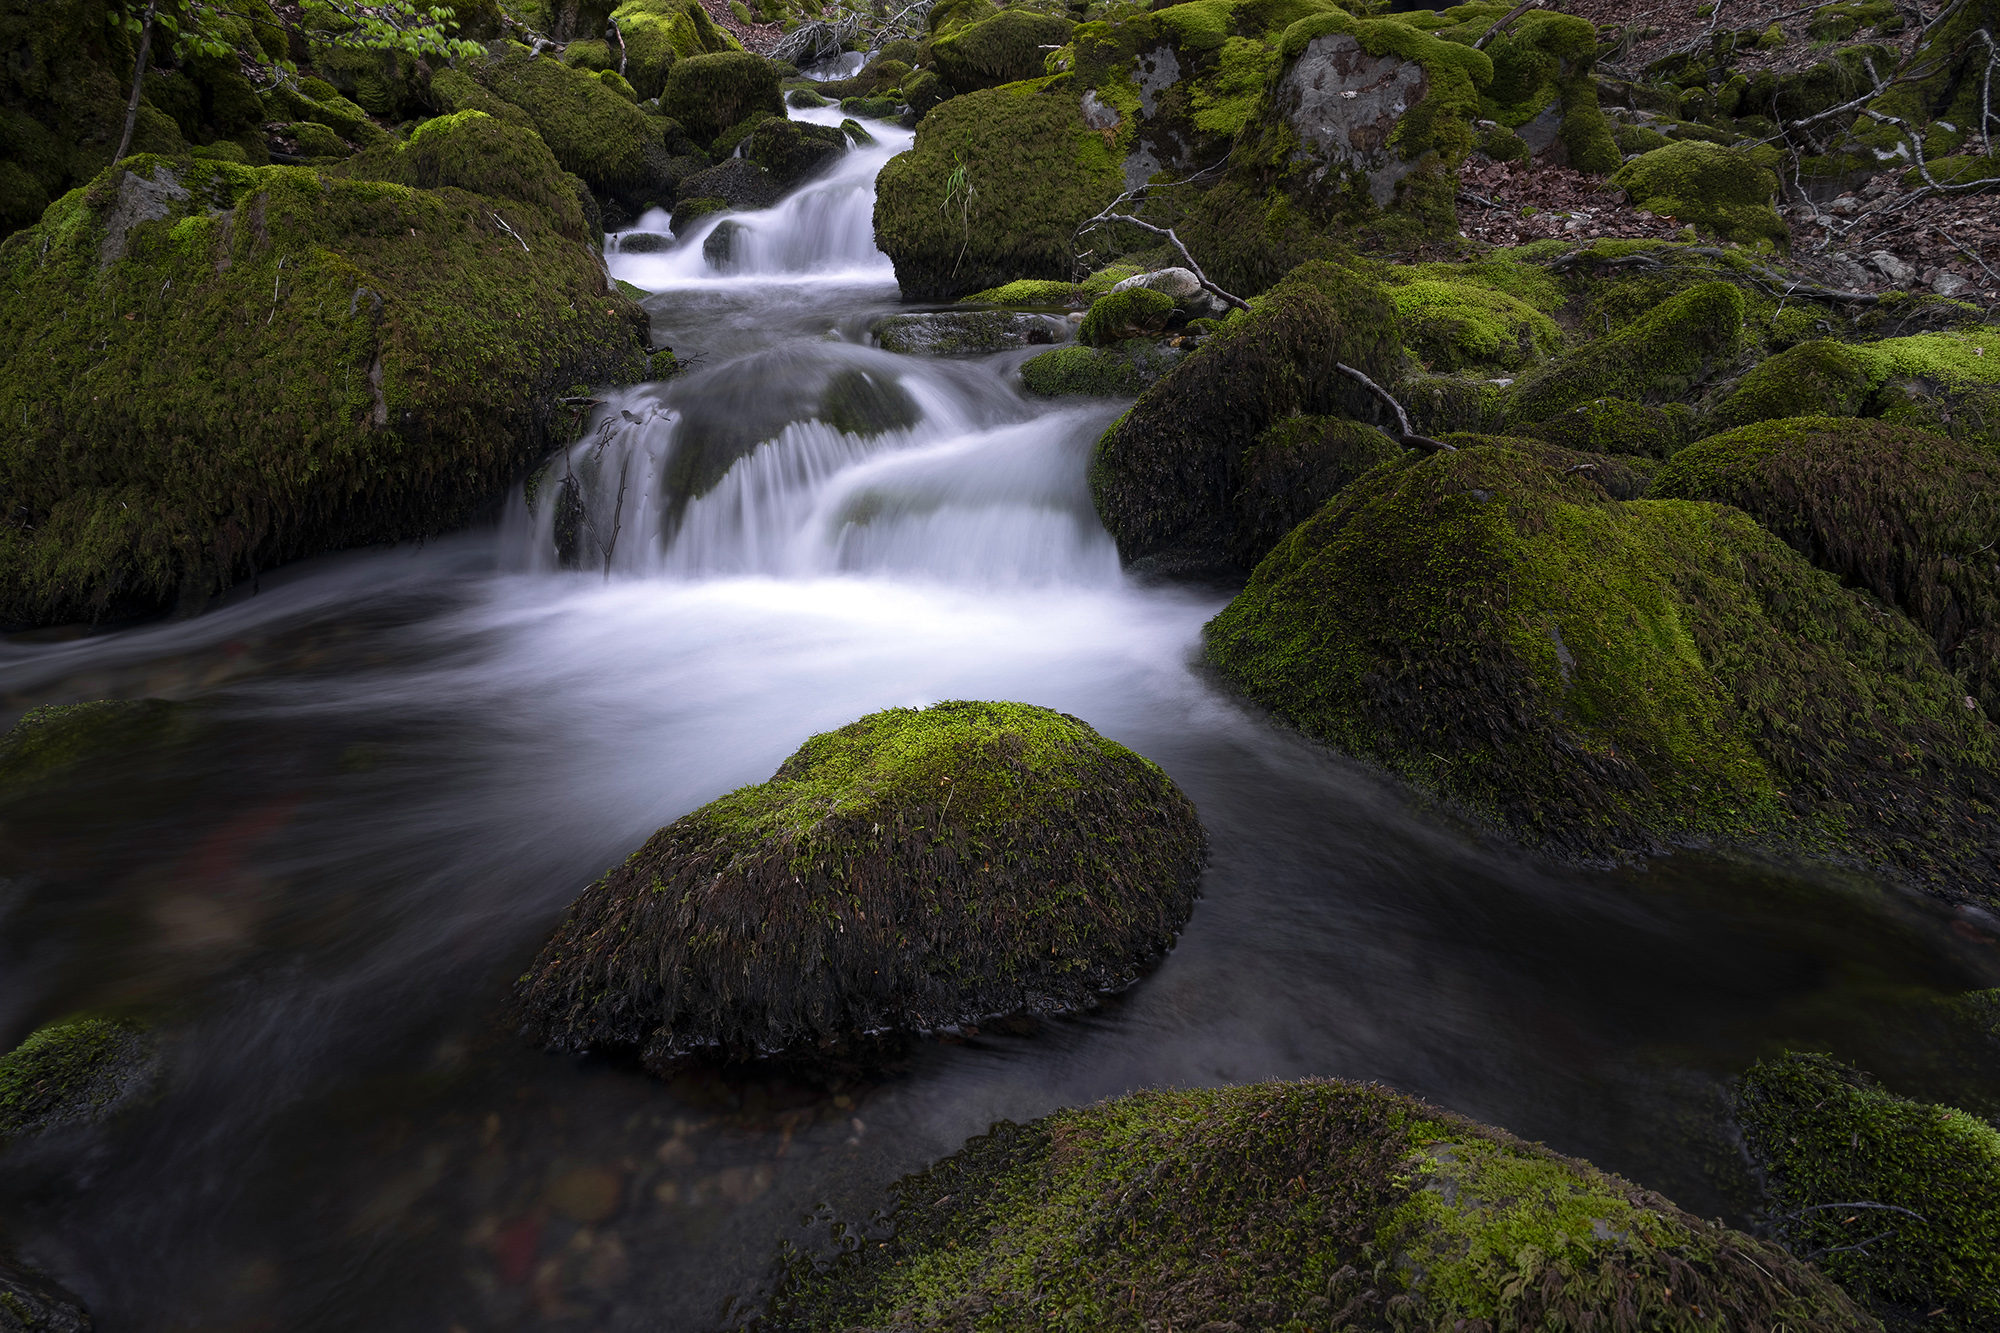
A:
x: 397, y: 766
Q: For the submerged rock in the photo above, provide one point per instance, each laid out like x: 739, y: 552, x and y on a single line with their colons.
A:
x: 1608, y: 678
x: 75, y: 1072
x: 954, y: 333
x: 1897, y: 1201
x: 915, y: 870
x: 1315, y: 1205
x: 1118, y: 371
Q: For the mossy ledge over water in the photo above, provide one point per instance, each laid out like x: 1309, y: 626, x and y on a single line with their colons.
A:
x: 916, y: 870
x: 1293, y: 1206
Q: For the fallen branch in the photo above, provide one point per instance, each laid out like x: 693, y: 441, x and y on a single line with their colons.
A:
x: 1505, y: 19
x: 1405, y: 432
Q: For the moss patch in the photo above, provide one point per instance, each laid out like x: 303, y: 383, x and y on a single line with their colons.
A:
x: 593, y: 132
x: 1005, y: 48
x: 1604, y: 678
x: 55, y: 737
x: 209, y: 369
x: 73, y: 1072
x: 1726, y: 191
x: 1116, y: 316
x: 1165, y: 477
x: 659, y: 32
x: 1452, y: 325
x: 1617, y: 426
x: 1825, y: 1135
x: 709, y: 94
x: 1662, y: 355
x: 918, y: 869
x: 1120, y: 371
x: 1292, y: 1206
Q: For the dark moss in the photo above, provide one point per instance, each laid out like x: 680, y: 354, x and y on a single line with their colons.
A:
x: 54, y: 737
x: 1821, y: 378
x: 1294, y: 1206
x: 993, y: 190
x: 795, y: 152
x: 1908, y: 515
x: 472, y: 151
x: 1295, y: 466
x: 210, y: 369
x: 1101, y: 372
x: 1725, y: 191
x: 74, y: 1072
x: 915, y: 870
x: 1663, y: 355
x: 708, y: 94
x: 862, y: 402
x: 1840, y: 1156
x: 736, y: 181
x: 965, y: 333
x: 1617, y: 426
x: 1116, y: 316
x: 1003, y: 49
x: 593, y: 132
x: 1165, y: 477
x: 1605, y: 678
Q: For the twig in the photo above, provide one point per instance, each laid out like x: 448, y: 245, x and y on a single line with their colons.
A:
x: 619, y: 33
x: 1505, y: 19
x: 1405, y: 433
x: 511, y: 232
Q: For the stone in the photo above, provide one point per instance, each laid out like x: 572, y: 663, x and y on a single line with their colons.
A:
x: 644, y: 243
x: 1946, y: 283
x: 719, y: 250
x: 1344, y: 105
x: 955, y: 333
x: 1892, y: 266
x: 1186, y: 289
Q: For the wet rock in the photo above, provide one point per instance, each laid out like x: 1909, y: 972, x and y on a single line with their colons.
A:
x: 954, y: 333
x: 644, y: 243
x: 862, y: 402
x: 708, y: 94
x: 737, y: 181
x: 1189, y: 296
x: 1119, y: 371
x: 1191, y: 1200
x: 76, y: 1072
x: 32, y: 1302
x: 719, y: 250
x: 916, y: 870
x: 794, y: 152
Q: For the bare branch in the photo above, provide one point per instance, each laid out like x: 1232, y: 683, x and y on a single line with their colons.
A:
x: 1405, y: 433
x: 1505, y: 19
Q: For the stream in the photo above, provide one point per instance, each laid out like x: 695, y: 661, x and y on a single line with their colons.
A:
x: 399, y: 766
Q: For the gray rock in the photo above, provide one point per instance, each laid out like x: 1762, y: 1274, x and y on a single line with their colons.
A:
x: 1344, y: 104
x: 1181, y: 284
x: 644, y: 243
x: 736, y: 181
x: 1946, y: 283
x: 1097, y: 115
x: 966, y: 333
x: 720, y: 247
x: 1892, y: 267
x: 31, y: 1302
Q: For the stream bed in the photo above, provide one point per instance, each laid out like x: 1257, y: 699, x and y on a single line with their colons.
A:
x: 398, y: 766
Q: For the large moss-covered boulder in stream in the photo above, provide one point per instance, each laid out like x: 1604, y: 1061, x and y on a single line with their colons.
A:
x: 1911, y: 516
x: 1666, y: 354
x: 1605, y: 678
x: 75, y: 1072
x: 1307, y: 1205
x: 1897, y: 1201
x: 915, y: 870
x: 709, y: 94
x: 1166, y: 478
x: 208, y: 369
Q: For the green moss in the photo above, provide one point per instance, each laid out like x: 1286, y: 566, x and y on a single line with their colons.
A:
x: 1827, y: 1137
x: 1028, y: 292
x: 1117, y: 316
x: 1002, y: 49
x: 1942, y: 382
x: 1893, y: 510
x: 659, y: 32
x: 1725, y: 191
x: 708, y: 94
x: 1660, y: 356
x: 1121, y: 371
x: 1450, y: 325
x: 55, y: 737
x: 73, y: 1072
x: 1296, y: 465
x: 871, y: 108
x: 268, y: 362
x: 454, y: 90
x: 1291, y: 1206
x: 1165, y: 477
x: 1617, y: 426
x: 917, y: 869
x: 993, y: 190
x: 593, y: 131
x: 1822, y: 378
x: 1604, y: 678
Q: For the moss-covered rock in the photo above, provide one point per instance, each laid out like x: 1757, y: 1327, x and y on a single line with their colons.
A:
x: 1616, y: 426
x: 1897, y: 1201
x: 1454, y: 325
x: 794, y: 151
x: 1122, y: 371
x: 1543, y: 92
x: 74, y: 1072
x: 1726, y: 191
x: 709, y: 94
x: 55, y: 737
x: 1306, y: 1205
x: 1165, y: 477
x: 1662, y: 355
x: 1005, y: 48
x: 33, y: 1302
x: 915, y: 870
x: 1908, y: 515
x: 993, y: 190
x: 970, y: 333
x: 1295, y: 466
x: 1116, y: 316
x: 593, y: 132
x: 659, y: 32
x: 1947, y: 383
x: 1605, y: 678
x: 208, y: 369
x: 1820, y: 378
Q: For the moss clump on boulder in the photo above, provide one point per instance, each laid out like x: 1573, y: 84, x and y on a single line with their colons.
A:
x: 74, y: 1072
x: 1726, y: 191
x: 794, y: 152
x: 1847, y: 1163
x: 1307, y: 1205
x: 1821, y: 378
x: 1121, y: 371
x: 1457, y: 325
x: 709, y: 94
x: 208, y: 369
x: 593, y: 131
x: 1543, y: 90
x: 965, y: 333
x: 1295, y: 466
x: 915, y: 870
x: 1947, y: 383
x: 659, y: 32
x: 1032, y: 171
x: 1165, y: 477
x: 1116, y: 316
x: 1006, y: 48
x: 1662, y: 355
x: 1893, y: 510
x: 1606, y: 678
x: 1616, y: 426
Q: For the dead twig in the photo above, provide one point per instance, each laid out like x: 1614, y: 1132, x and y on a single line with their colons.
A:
x: 1505, y: 19
x: 1405, y: 432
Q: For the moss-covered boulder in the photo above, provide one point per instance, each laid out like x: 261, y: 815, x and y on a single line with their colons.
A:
x: 794, y: 152
x: 709, y: 94
x: 594, y: 132
x: 1663, y: 355
x: 1165, y: 478
x: 1306, y: 1205
x: 1121, y: 371
x: 74, y: 1072
x: 1729, y: 192
x: 1617, y: 426
x: 1605, y: 678
x: 1908, y: 515
x: 1897, y: 1201
x: 1116, y: 316
x: 993, y: 190
x: 1946, y: 383
x: 915, y: 870
x: 659, y: 32
x: 1455, y: 325
x: 966, y: 333
x: 1543, y: 92
x: 1820, y: 378
x: 208, y: 369
x: 1294, y: 466
x: 1006, y: 48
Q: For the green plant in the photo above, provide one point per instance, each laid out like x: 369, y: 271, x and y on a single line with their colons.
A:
x: 959, y: 189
